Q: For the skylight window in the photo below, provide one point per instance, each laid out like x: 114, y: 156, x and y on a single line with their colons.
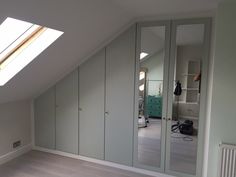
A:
x: 141, y: 75
x: 21, y: 42
x: 143, y: 55
x: 141, y: 87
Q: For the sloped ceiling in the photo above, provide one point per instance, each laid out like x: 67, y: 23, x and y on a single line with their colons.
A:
x: 86, y: 25
x: 142, y: 8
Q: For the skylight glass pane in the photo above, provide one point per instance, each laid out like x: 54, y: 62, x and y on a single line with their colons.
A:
x: 24, y: 49
x: 141, y: 87
x: 10, y: 30
x: 141, y: 75
x: 143, y: 55
x: 17, y: 42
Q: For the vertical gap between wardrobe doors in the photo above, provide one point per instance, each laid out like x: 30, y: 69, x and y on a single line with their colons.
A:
x: 135, y: 80
x: 55, y: 117
x: 78, y: 69
x: 105, y: 72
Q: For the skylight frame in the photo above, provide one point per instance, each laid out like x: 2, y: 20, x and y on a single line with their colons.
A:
x: 24, y: 49
x: 10, y: 30
x: 21, y: 42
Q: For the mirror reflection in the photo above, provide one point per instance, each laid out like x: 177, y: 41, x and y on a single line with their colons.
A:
x: 186, y: 98
x: 150, y: 95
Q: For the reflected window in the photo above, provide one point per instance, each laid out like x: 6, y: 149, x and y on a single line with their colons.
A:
x: 143, y: 55
x: 141, y: 75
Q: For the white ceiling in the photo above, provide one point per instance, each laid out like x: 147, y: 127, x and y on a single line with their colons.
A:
x: 153, y: 38
x: 86, y: 25
x: 141, y: 8
x: 190, y: 34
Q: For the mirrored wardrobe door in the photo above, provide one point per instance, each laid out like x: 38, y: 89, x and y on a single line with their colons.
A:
x: 187, y: 94
x: 151, y: 95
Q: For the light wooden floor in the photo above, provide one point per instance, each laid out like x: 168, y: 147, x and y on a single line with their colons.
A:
x: 183, y: 153
x: 40, y: 164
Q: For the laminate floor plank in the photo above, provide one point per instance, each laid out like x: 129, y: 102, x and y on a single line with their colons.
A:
x: 41, y: 164
x: 183, y: 150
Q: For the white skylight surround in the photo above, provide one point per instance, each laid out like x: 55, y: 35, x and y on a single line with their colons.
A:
x: 21, y: 42
x: 143, y: 55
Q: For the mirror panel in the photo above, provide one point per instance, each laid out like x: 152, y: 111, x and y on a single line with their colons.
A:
x: 151, y: 76
x: 186, y: 98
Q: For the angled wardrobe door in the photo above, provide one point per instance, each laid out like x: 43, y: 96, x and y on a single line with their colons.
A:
x: 91, y: 103
x: 44, y: 113
x: 120, y: 66
x: 67, y: 114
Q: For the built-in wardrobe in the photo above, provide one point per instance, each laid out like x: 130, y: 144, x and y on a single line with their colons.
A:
x: 90, y: 112
x: 105, y: 109
x: 106, y: 99
x: 56, y: 116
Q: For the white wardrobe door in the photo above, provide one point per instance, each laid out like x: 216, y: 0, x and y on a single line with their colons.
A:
x: 44, y: 113
x: 67, y: 114
x: 120, y: 65
x: 91, y: 103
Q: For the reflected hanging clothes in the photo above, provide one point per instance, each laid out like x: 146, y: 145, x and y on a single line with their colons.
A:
x: 178, y: 89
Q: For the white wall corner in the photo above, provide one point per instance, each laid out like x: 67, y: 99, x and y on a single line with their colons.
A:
x: 32, y: 129
x: 11, y: 155
x: 209, y: 100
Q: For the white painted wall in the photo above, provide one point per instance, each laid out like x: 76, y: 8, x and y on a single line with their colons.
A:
x: 154, y: 64
x: 153, y: 39
x: 185, y: 54
x: 209, y: 96
x: 223, y: 112
x: 14, y: 125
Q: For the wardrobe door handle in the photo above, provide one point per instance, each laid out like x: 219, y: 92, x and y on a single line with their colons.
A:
x: 80, y: 109
x: 106, y: 113
x: 163, y: 118
x: 169, y: 119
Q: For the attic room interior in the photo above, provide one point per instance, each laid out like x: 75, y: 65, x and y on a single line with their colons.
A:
x: 117, y: 88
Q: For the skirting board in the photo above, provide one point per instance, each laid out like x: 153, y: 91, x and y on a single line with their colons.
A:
x: 11, y: 155
x: 102, y: 162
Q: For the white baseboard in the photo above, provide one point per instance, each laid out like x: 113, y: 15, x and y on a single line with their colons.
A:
x: 102, y: 162
x: 11, y: 155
